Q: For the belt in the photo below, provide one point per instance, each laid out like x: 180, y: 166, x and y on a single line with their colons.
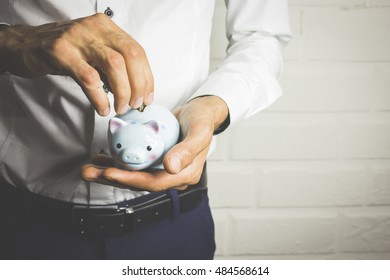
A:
x: 102, y: 220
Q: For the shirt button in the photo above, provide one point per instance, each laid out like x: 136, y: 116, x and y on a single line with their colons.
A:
x: 108, y: 12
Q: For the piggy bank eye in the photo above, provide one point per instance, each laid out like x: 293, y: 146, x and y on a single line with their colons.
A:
x: 118, y: 145
x: 149, y: 148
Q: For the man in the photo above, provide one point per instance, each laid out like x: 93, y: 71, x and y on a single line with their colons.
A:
x: 66, y: 198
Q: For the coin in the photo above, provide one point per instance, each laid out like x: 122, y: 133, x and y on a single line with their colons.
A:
x: 141, y: 108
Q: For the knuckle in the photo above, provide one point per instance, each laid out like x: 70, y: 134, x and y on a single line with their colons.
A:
x: 74, y: 30
x: 96, y: 21
x: 89, y: 78
x: 109, y: 174
x: 196, y: 179
x: 96, y: 17
x: 188, y: 152
x: 115, y: 60
x: 135, y: 51
x: 87, y: 173
x: 188, y: 181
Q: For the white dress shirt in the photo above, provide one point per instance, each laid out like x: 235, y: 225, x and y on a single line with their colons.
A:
x: 48, y: 129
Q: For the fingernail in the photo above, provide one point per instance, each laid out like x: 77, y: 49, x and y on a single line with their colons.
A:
x: 124, y: 109
x: 149, y: 99
x: 175, y: 164
x: 105, y: 112
x: 139, y: 102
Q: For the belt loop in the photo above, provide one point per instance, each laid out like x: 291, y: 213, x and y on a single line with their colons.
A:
x: 175, y: 201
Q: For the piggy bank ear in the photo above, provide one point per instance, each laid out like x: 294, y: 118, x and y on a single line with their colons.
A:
x: 115, y: 124
x: 153, y: 125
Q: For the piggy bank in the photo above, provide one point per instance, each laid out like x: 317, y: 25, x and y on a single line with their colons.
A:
x: 139, y: 140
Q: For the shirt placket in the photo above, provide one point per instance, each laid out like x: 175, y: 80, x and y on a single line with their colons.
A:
x: 100, y: 138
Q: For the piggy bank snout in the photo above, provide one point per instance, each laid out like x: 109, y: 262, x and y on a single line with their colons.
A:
x: 134, y: 156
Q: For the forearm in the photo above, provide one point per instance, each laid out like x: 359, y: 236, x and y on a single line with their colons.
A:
x: 65, y: 48
x: 13, y: 40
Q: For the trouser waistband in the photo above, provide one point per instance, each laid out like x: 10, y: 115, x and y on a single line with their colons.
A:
x: 102, y: 220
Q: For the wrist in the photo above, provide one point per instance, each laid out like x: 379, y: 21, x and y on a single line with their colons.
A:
x: 217, y: 108
x: 3, y: 55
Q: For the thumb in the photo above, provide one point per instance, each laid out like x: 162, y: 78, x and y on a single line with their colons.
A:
x: 185, y: 152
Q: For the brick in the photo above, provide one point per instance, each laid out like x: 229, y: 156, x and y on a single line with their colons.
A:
x: 286, y: 136
x: 330, y: 87
x: 314, y: 3
x: 360, y: 256
x: 365, y: 230
x: 312, y: 136
x: 337, y: 256
x: 365, y: 136
x: 379, y: 3
x: 381, y: 88
x: 378, y: 192
x: 346, y: 34
x: 221, y: 151
x: 230, y: 185
x: 328, y: 3
x: 311, y: 184
x: 294, y: 49
x: 221, y: 231
x: 287, y: 231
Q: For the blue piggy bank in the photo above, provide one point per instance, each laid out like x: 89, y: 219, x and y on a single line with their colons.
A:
x: 139, y: 140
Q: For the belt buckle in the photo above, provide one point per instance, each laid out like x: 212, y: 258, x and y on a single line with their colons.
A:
x: 102, y: 220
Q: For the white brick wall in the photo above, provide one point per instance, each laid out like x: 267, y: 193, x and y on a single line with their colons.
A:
x: 309, y: 178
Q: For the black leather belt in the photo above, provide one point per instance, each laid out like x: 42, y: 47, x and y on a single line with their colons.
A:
x: 106, y: 220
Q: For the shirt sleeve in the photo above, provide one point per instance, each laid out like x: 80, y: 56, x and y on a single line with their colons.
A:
x: 257, y: 30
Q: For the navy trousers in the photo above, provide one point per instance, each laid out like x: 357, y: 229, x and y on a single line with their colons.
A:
x: 188, y: 235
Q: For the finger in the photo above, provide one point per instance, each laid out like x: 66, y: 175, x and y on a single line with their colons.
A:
x: 139, y: 72
x: 196, y: 141
x: 68, y: 59
x: 89, y: 80
x: 113, y: 66
x: 138, y: 69
x: 91, y: 172
x: 150, y: 181
x: 102, y: 160
x: 139, y: 180
x: 141, y: 83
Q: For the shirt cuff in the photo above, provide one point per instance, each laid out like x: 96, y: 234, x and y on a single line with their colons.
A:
x: 239, y: 95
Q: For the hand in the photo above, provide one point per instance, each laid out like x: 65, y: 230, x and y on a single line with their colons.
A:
x: 183, y: 164
x: 89, y: 50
